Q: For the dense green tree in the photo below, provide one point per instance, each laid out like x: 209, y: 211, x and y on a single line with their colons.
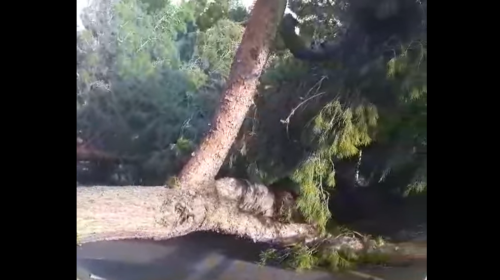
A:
x: 313, y: 121
x: 135, y: 93
x: 221, y: 9
x: 218, y: 51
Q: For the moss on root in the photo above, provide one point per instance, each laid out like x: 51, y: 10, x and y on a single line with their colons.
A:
x: 173, y: 182
x: 326, y: 254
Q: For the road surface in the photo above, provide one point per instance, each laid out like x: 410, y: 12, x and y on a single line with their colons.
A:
x: 205, y: 256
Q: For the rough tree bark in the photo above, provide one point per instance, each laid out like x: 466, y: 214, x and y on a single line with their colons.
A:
x: 108, y: 213
x: 238, y: 95
x: 112, y: 213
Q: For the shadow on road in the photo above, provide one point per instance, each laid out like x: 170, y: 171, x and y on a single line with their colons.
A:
x: 200, y: 255
x: 197, y: 256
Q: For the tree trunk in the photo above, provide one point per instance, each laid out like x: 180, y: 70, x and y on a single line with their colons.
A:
x: 234, y: 207
x: 238, y: 95
x: 112, y: 213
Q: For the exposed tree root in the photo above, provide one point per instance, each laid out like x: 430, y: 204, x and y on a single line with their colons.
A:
x: 232, y: 207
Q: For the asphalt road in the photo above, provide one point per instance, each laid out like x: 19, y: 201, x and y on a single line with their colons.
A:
x: 204, y: 256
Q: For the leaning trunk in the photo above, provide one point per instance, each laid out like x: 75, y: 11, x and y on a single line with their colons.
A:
x: 238, y: 95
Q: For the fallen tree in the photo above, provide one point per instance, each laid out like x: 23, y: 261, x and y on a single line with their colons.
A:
x: 232, y: 207
x: 194, y: 201
x: 108, y: 213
